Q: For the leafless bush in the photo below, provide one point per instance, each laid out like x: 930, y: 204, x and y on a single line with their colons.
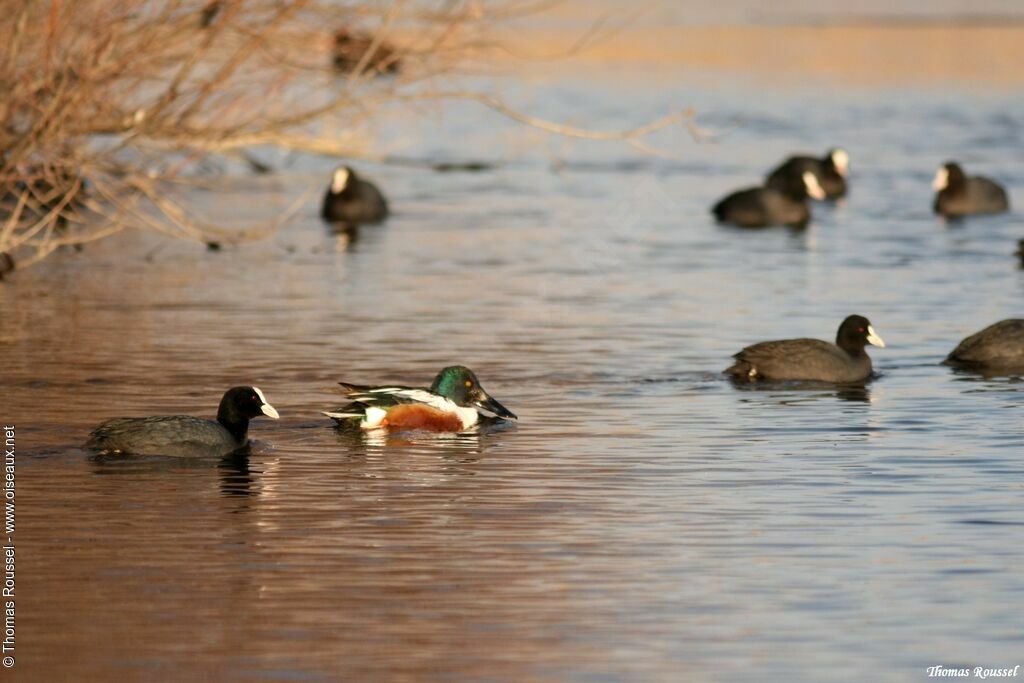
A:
x: 110, y: 105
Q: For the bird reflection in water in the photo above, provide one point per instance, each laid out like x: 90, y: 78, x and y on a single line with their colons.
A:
x: 236, y: 477
x: 461, y: 448
x: 345, y: 236
x: 791, y: 393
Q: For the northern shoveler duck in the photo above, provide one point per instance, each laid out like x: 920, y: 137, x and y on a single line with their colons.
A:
x: 451, y: 404
x: 350, y: 200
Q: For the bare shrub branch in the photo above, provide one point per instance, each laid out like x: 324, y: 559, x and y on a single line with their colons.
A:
x: 110, y: 108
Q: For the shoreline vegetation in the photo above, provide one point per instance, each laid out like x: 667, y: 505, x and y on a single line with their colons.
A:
x: 111, y: 109
x: 114, y: 110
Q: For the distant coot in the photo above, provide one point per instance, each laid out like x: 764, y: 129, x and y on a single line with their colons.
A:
x: 210, y: 12
x: 958, y: 195
x: 830, y: 172
x: 181, y: 435
x: 811, y: 359
x: 997, y: 347
x: 352, y: 200
x: 354, y: 48
x: 758, y: 207
x: 1020, y: 252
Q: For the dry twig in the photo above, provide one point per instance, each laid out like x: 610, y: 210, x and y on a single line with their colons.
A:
x: 110, y: 107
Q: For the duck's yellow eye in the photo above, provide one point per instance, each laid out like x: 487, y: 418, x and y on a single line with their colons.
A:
x: 469, y: 383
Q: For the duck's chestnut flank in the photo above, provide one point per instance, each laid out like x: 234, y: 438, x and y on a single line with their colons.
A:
x: 423, y: 417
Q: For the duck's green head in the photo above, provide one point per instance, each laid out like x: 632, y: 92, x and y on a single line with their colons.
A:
x: 458, y: 384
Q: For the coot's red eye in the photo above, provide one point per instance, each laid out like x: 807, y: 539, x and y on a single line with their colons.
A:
x: 860, y: 329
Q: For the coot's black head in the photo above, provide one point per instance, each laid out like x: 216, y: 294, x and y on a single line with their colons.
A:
x: 855, y: 333
x: 459, y: 384
x: 949, y: 176
x: 343, y: 178
x: 838, y: 159
x: 242, y: 404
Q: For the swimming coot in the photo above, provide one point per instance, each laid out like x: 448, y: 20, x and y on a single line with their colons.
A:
x: 352, y: 200
x: 350, y: 50
x: 758, y: 207
x: 958, y: 195
x: 811, y: 359
x: 830, y: 172
x: 997, y: 347
x: 210, y: 12
x: 181, y: 435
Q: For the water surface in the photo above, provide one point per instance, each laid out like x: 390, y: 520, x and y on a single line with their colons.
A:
x: 644, y: 520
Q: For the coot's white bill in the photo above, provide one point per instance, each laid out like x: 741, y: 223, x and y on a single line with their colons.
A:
x: 874, y: 339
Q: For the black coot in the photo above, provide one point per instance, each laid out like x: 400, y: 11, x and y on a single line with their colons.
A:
x: 997, y: 347
x: 181, y: 435
x: 759, y: 207
x: 352, y: 49
x: 811, y: 359
x: 830, y: 172
x: 352, y: 200
x: 958, y: 195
